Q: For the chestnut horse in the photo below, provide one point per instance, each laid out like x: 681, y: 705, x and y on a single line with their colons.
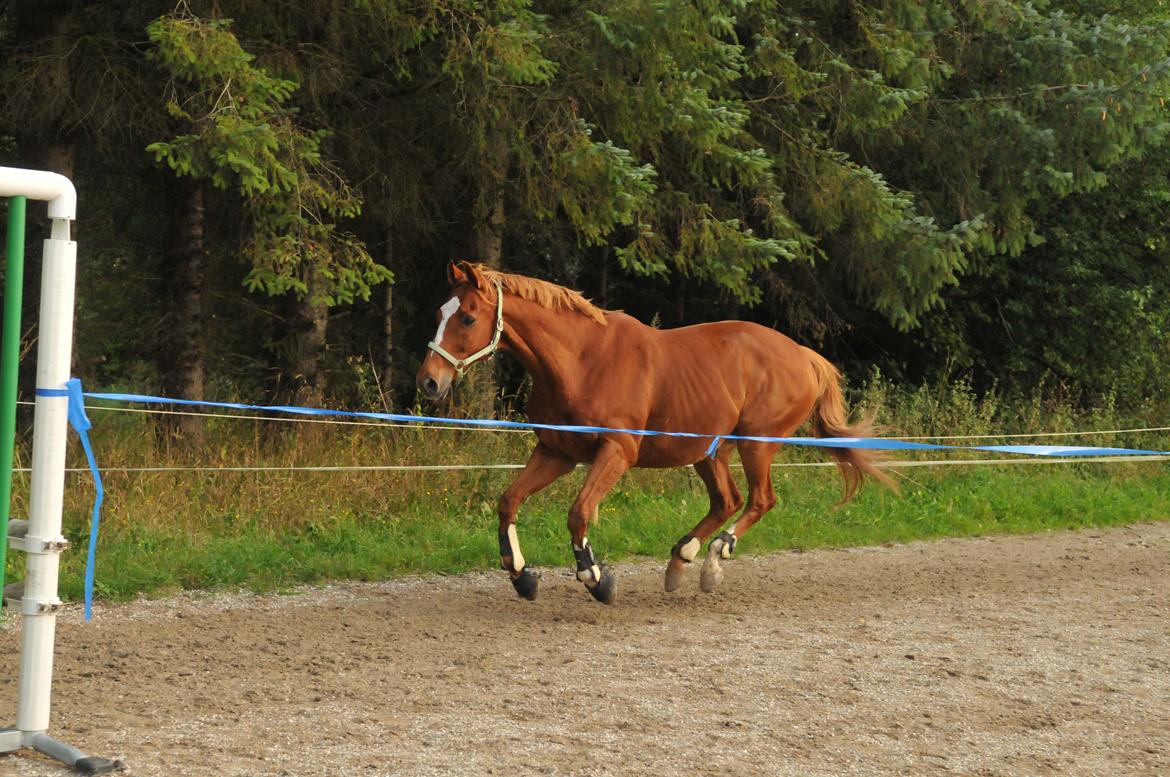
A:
x: 602, y: 368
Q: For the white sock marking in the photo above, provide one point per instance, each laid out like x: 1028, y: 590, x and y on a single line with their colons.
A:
x: 590, y: 577
x: 514, y: 541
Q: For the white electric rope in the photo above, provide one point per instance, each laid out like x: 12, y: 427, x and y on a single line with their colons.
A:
x: 1020, y: 435
x: 1039, y: 434
x: 464, y: 467
x: 467, y: 467
x: 453, y: 427
x: 393, y: 424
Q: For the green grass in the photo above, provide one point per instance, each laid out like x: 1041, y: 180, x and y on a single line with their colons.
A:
x: 163, y: 532
x: 458, y: 533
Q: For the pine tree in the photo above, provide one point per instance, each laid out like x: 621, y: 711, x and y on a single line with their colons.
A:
x: 237, y: 134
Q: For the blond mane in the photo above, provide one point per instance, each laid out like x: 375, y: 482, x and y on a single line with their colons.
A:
x: 545, y: 294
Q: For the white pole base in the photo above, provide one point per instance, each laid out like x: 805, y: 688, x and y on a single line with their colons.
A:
x: 12, y: 739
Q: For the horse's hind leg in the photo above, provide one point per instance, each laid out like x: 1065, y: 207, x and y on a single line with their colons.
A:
x: 725, y: 501
x: 757, y: 467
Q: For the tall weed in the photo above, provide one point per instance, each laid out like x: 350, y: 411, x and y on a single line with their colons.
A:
x: 203, y: 525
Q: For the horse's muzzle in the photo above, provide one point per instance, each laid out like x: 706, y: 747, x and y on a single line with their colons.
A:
x: 430, y: 388
x: 433, y: 385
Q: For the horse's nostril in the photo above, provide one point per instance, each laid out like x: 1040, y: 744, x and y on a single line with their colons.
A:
x: 430, y: 387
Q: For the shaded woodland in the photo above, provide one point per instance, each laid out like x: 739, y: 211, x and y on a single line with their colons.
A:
x: 270, y: 192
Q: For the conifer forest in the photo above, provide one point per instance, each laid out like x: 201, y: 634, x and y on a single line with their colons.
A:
x: 932, y: 190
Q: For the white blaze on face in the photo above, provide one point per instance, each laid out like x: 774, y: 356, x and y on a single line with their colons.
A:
x: 450, y: 307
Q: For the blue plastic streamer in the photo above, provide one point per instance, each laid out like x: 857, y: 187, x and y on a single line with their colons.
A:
x: 883, y: 444
x: 713, y: 448
x: 81, y: 423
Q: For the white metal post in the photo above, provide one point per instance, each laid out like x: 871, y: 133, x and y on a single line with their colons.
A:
x: 47, y: 488
x: 41, y: 538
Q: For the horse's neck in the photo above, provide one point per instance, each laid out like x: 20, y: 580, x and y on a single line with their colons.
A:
x: 550, y: 344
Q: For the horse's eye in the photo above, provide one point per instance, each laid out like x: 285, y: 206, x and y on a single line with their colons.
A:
x: 468, y: 320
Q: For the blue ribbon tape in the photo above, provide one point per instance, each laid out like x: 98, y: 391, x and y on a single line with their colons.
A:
x: 713, y: 448
x: 882, y: 444
x: 81, y: 424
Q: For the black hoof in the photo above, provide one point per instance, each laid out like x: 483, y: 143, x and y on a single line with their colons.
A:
x: 526, y: 583
x: 605, y: 590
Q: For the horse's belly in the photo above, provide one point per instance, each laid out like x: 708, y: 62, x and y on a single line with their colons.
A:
x: 580, y: 447
x: 671, y: 451
x: 651, y: 451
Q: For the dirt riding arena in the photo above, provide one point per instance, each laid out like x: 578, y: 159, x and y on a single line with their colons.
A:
x: 1021, y: 656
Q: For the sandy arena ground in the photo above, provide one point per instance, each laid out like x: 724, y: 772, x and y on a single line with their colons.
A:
x: 1003, y: 656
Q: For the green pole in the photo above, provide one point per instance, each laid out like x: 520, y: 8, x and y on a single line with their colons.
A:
x: 10, y: 365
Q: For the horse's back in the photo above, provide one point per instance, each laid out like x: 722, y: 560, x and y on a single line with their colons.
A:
x: 724, y: 377
x: 717, y: 378
x: 720, y: 340
x: 735, y: 353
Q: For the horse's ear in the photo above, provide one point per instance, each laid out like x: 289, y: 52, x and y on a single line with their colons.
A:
x: 475, y: 275
x: 466, y: 272
x: 455, y: 274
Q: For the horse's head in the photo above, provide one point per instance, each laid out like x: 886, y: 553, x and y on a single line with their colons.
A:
x: 470, y: 323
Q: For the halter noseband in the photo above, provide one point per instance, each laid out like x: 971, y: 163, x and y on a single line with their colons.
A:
x: 462, y: 364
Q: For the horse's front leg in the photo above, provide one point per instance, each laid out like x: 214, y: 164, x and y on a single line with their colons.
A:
x: 544, y: 466
x: 611, y: 462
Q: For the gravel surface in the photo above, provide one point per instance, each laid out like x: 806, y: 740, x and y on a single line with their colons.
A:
x: 1029, y: 655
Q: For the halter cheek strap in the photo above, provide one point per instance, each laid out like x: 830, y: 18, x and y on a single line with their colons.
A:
x: 461, y: 365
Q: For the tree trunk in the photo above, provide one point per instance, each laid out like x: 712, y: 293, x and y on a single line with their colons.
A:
x: 477, y: 394
x: 385, y: 366
x: 183, y: 355
x: 489, y: 206
x: 308, y: 351
x: 333, y: 26
x: 57, y: 157
x: 489, y: 233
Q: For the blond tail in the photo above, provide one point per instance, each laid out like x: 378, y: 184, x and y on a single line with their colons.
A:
x: 830, y: 419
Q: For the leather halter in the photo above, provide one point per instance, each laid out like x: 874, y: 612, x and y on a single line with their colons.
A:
x: 462, y: 364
